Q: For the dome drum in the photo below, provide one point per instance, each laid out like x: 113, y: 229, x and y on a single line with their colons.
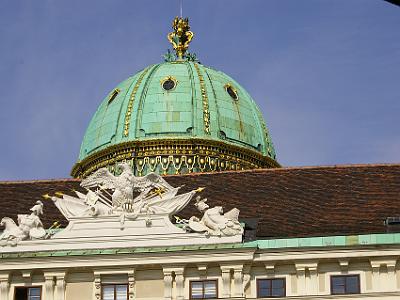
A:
x: 178, y: 156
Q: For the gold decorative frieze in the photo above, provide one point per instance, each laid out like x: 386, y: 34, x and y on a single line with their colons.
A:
x: 131, y: 101
x: 206, y: 111
x: 174, y: 156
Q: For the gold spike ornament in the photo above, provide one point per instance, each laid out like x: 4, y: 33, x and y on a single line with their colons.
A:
x: 181, y: 36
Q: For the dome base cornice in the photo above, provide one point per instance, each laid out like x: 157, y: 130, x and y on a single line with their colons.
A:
x: 174, y: 156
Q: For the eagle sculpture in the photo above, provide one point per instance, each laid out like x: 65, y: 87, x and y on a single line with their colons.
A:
x: 124, y: 185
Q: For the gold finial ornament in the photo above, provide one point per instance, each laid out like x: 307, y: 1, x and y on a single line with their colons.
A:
x: 200, y: 189
x: 181, y: 36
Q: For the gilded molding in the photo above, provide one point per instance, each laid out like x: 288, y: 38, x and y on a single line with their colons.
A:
x: 174, y: 156
x: 206, y: 111
x: 131, y: 101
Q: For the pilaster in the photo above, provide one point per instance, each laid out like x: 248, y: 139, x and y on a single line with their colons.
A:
x: 301, y: 279
x: 167, y: 284
x: 60, y: 286
x: 307, y: 286
x: 4, y: 286
x: 378, y: 284
x: 179, y: 279
x: 131, y: 285
x: 246, y: 278
x: 312, y: 285
x: 226, y: 281
x: 97, y: 286
x: 392, y: 280
x: 170, y: 274
x: 48, y: 286
x: 238, y: 281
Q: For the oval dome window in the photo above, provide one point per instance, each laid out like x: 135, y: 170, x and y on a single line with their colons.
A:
x: 232, y: 92
x: 168, y: 84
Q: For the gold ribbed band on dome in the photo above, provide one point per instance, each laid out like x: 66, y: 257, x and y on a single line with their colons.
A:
x: 174, y: 156
x: 206, y: 111
x: 130, y: 103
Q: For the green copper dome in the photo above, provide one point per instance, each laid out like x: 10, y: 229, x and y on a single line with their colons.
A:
x: 175, y: 113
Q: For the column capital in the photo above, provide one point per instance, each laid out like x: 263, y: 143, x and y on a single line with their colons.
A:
x: 131, y: 276
x: 270, y: 267
x: 173, y: 269
x: 378, y: 262
x: 231, y: 266
x: 59, y: 274
x: 5, y: 276
x: 26, y: 274
x: 202, y: 268
x: 344, y: 264
x: 99, y: 272
x: 301, y: 267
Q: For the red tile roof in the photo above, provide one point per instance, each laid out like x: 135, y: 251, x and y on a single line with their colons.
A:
x: 289, y: 202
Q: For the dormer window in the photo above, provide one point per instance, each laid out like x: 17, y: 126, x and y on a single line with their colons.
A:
x: 113, y: 95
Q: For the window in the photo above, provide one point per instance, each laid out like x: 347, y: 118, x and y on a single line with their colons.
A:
x: 168, y: 83
x: 345, y: 284
x: 28, y: 293
x: 206, y: 289
x: 275, y: 287
x: 115, y: 292
x: 231, y: 91
x: 113, y: 95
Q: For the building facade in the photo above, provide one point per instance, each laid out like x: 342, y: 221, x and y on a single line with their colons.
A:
x: 178, y: 195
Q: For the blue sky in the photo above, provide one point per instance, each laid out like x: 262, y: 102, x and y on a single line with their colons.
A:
x: 326, y: 73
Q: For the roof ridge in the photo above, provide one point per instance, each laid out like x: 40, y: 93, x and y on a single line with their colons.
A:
x: 38, y: 180
x: 266, y: 170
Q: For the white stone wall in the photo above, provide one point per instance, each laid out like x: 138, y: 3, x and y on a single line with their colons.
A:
x: 166, y: 276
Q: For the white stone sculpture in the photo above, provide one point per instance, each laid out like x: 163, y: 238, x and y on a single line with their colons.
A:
x: 121, y: 211
x: 115, y: 195
x: 214, y: 222
x: 29, y: 227
x: 124, y: 185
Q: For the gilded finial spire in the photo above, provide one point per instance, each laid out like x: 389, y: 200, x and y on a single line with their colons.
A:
x: 181, y: 36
